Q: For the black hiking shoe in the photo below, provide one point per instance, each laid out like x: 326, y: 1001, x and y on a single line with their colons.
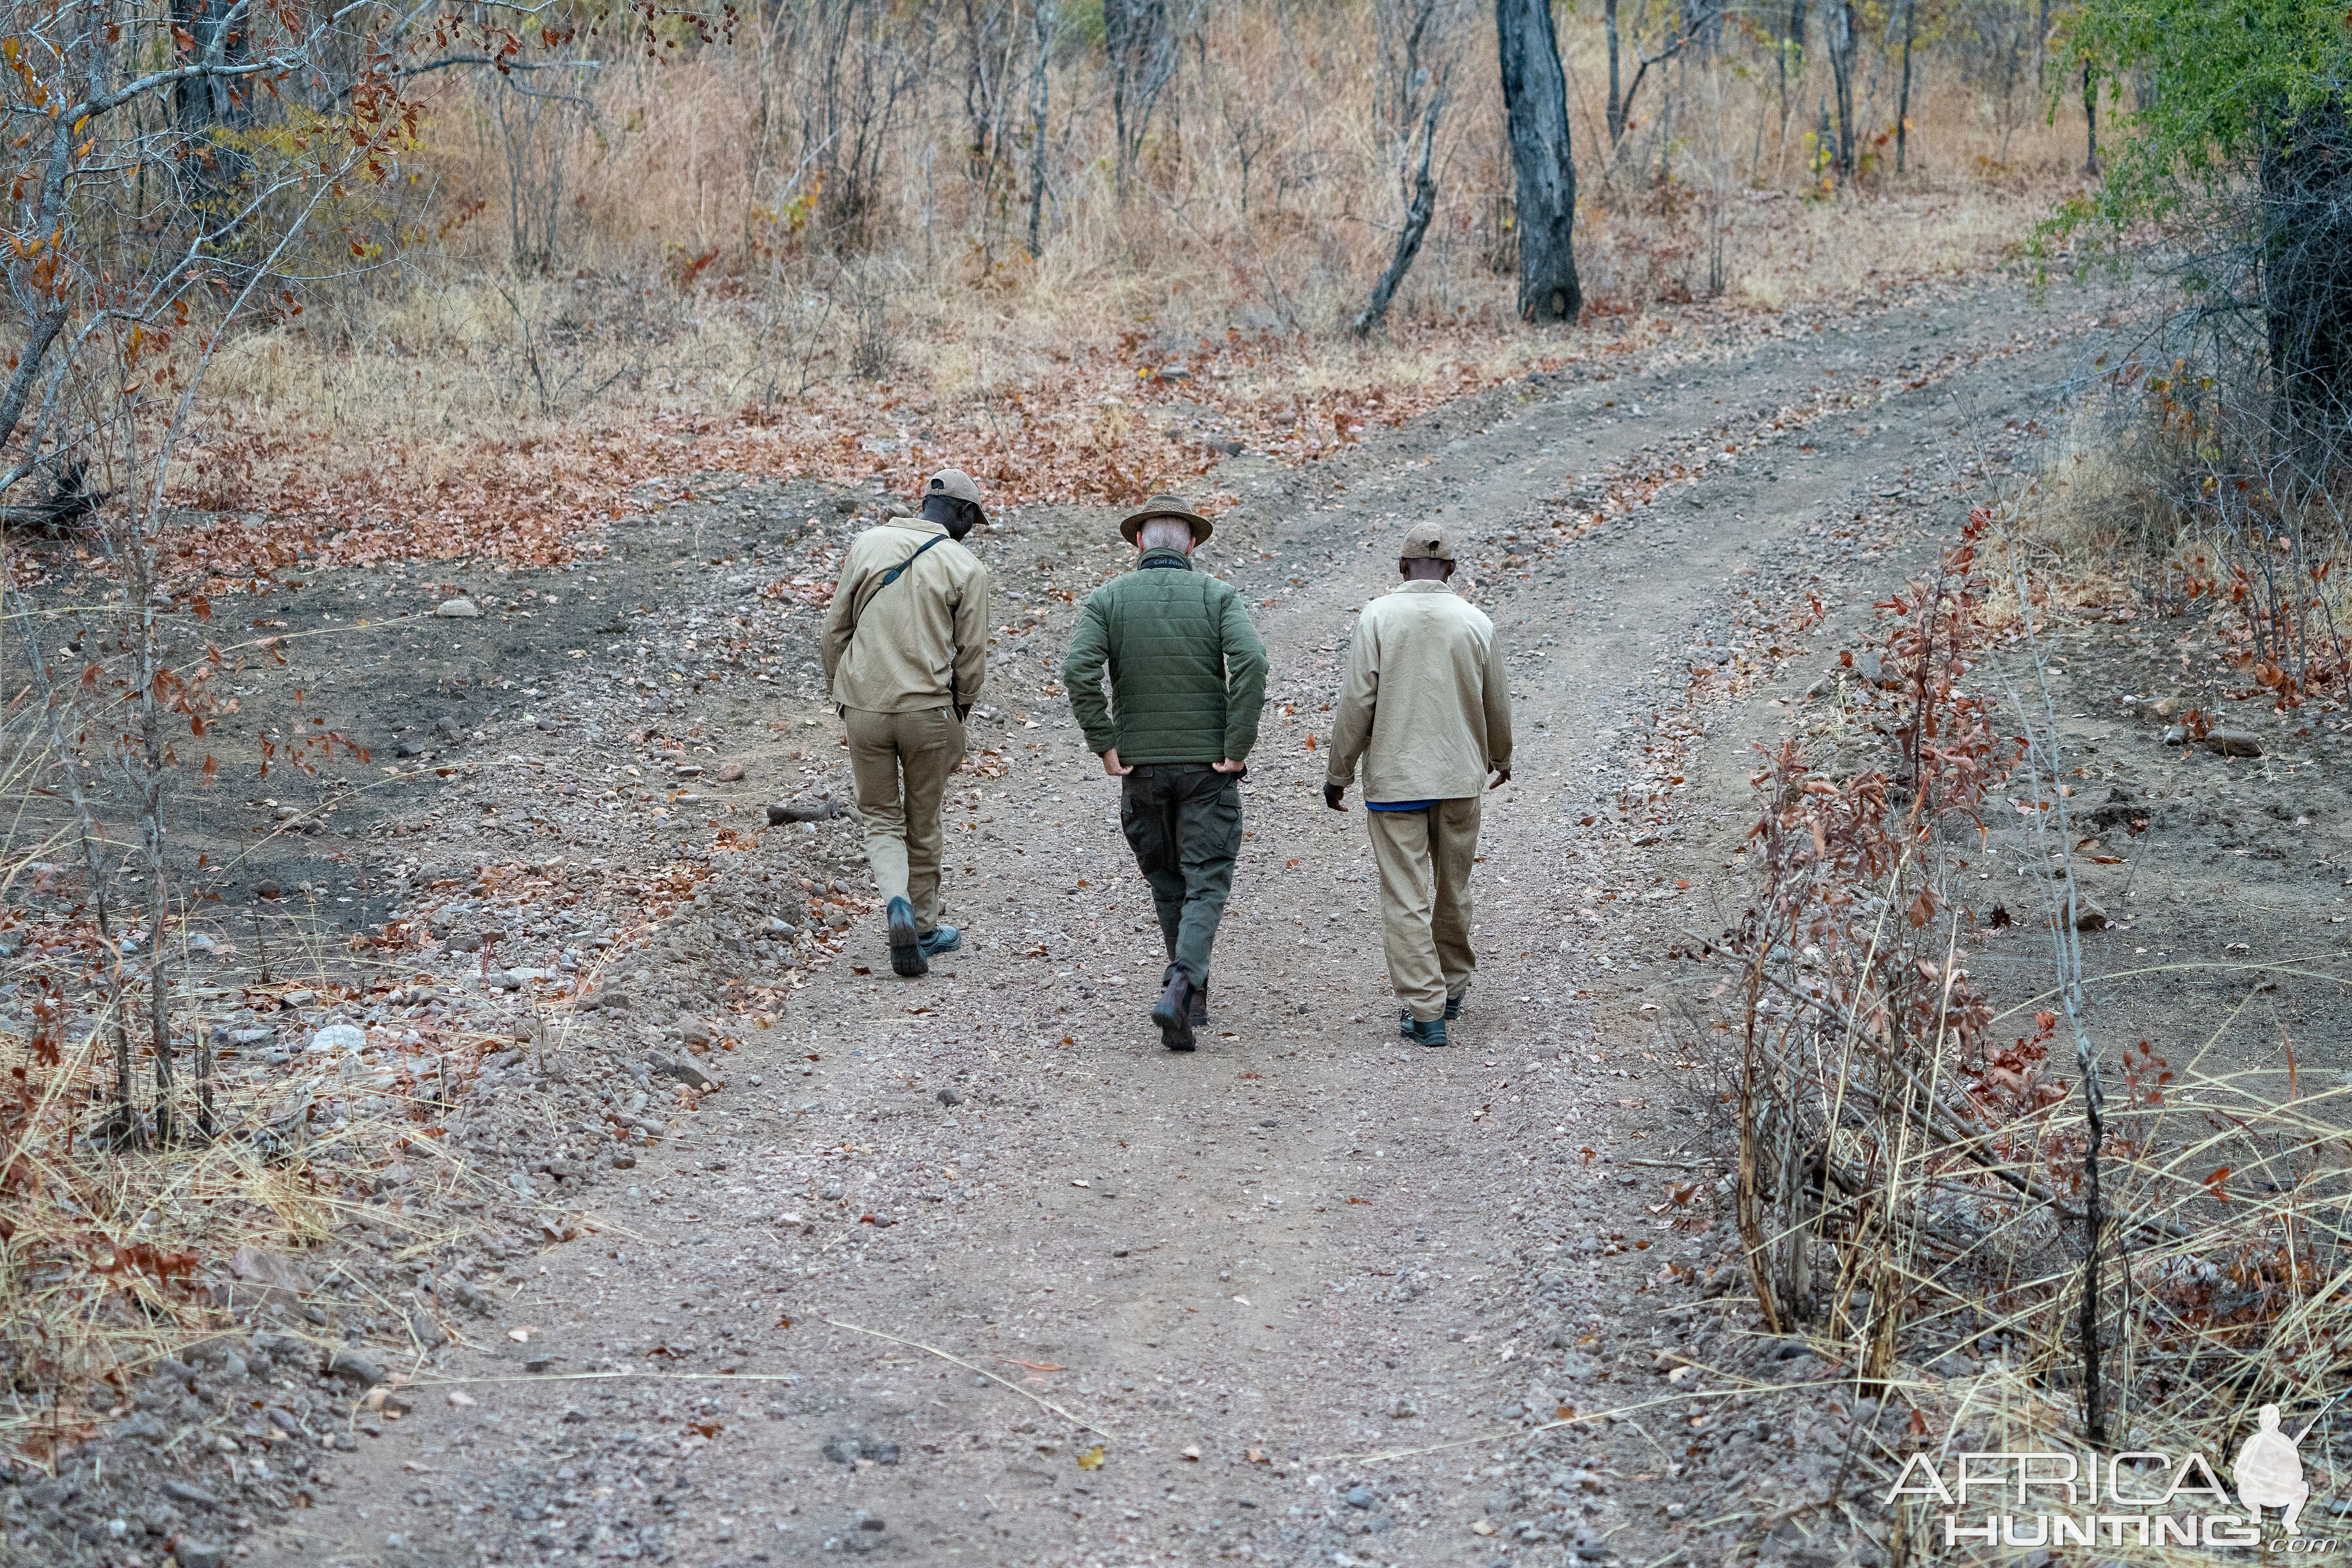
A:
x: 1454, y: 1006
x: 939, y: 940
x: 907, y: 958
x: 1420, y: 1032
x: 1174, y: 1013
x: 1199, y: 1014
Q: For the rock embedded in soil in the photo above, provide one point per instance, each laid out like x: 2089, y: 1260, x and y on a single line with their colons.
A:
x: 686, y: 1073
x: 2233, y: 744
x: 456, y: 609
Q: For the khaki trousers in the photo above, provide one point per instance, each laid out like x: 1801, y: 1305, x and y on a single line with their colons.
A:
x: 1424, y: 859
x: 901, y: 763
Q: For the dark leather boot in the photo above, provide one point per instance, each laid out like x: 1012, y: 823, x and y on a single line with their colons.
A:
x: 1199, y: 1017
x: 907, y: 959
x: 1174, y: 1013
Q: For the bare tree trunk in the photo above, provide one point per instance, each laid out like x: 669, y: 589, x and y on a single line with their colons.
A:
x: 1416, y: 225
x: 1616, y: 98
x: 1844, y: 38
x: 1046, y: 16
x: 1142, y: 61
x: 1793, y: 50
x: 148, y: 775
x: 1903, y: 101
x: 2090, y: 121
x: 1534, y: 102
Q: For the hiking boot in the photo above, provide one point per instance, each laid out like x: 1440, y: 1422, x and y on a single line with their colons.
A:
x: 1454, y: 1006
x: 939, y: 940
x: 1422, y: 1032
x: 906, y: 944
x: 1199, y: 1015
x: 1174, y: 1013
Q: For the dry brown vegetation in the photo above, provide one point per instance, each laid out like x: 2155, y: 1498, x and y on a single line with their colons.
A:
x: 1969, y: 1199
x: 672, y: 269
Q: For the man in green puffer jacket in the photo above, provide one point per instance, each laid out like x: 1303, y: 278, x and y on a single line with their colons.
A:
x: 1187, y: 681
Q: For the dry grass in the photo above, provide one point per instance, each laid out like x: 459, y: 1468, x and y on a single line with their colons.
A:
x: 113, y: 1256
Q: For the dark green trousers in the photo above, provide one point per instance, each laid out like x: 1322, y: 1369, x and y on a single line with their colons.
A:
x: 1184, y: 820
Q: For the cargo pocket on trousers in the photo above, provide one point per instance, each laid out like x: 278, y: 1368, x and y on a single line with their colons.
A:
x: 1147, y: 834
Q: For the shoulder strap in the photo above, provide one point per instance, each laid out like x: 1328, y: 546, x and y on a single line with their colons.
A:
x: 889, y: 577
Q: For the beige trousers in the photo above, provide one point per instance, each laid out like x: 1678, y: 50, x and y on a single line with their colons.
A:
x: 901, y: 763
x: 1424, y: 859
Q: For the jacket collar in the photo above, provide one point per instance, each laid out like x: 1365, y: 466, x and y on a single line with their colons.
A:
x: 1423, y: 585
x: 1164, y: 557
x: 918, y: 525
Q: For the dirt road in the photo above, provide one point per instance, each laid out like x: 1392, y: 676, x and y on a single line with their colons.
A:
x: 969, y: 1269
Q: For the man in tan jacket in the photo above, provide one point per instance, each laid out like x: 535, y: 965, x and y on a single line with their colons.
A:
x: 1427, y: 710
x: 905, y: 649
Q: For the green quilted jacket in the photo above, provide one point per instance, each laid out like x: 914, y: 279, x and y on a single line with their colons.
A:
x: 1187, y: 670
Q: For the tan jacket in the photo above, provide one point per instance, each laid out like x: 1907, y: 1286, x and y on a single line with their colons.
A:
x: 922, y: 641
x: 1427, y: 706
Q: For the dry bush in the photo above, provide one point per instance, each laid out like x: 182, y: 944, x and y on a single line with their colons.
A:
x: 2142, y: 1248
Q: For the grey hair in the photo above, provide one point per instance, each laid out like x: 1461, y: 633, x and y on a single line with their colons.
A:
x: 1164, y: 534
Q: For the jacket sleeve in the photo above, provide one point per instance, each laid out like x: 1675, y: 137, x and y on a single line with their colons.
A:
x: 1082, y: 677
x: 971, y: 638
x: 1244, y: 677
x: 839, y: 625
x: 1498, y: 707
x: 1352, y: 727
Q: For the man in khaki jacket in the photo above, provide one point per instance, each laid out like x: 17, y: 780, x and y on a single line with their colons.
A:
x: 1427, y: 710
x: 905, y: 649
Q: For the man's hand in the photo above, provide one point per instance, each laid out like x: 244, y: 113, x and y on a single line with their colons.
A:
x: 1111, y: 765
x: 1331, y: 795
x: 1502, y: 777
x: 1228, y: 766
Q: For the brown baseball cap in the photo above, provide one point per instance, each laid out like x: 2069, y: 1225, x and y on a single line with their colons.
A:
x: 1166, y: 506
x: 1427, y: 541
x: 956, y: 485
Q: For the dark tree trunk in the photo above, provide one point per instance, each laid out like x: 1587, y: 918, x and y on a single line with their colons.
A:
x: 2305, y: 188
x: 1844, y: 38
x: 1142, y: 59
x: 1792, y: 51
x: 1534, y: 102
x: 206, y: 101
x: 1045, y: 17
x: 1417, y: 215
x: 1903, y: 104
x: 1616, y: 97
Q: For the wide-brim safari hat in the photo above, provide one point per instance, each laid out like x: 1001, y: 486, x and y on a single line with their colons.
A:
x: 1166, y: 505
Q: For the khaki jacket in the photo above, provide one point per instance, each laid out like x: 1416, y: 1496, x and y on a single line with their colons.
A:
x: 1427, y: 706
x: 922, y: 641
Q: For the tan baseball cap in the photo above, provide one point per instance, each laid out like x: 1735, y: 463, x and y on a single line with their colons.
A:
x: 956, y: 485
x: 1427, y: 540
